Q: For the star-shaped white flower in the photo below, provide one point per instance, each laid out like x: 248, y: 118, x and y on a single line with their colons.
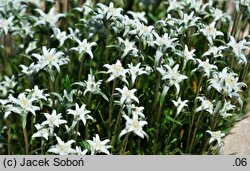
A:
x: 172, y: 75
x: 216, y: 136
x: 127, y: 96
x: 137, y: 110
x: 189, y: 55
x: 109, y: 11
x: 206, y: 67
x: 6, y: 24
x: 61, y: 36
x: 53, y: 119
x: 129, y: 47
x: 211, y: 32
x: 98, y: 146
x: 84, y: 46
x: 80, y: 113
x: 37, y: 93
x: 134, y: 125
x: 214, y: 51
x: 135, y: 71
x: 62, y: 148
x: 50, y: 58
x: 25, y: 102
x: 227, y: 106
x: 116, y: 71
x: 42, y: 131
x: 180, y: 105
x: 206, y: 105
x: 238, y: 48
x: 51, y: 18
x: 80, y: 152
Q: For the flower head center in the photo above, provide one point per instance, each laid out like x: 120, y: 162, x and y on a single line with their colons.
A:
x: 136, y: 124
x: 175, y: 75
x: 50, y: 58
x: 117, y: 68
x: 24, y: 102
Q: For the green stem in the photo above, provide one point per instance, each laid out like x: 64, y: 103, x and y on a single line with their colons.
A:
x: 157, y: 128
x: 42, y: 147
x: 79, y: 74
x: 193, y: 114
x: 9, y: 137
x: 111, y: 109
x: 124, y: 146
x: 195, y: 131
x: 77, y: 129
x: 25, y: 134
x: 117, y: 125
x: 52, y: 90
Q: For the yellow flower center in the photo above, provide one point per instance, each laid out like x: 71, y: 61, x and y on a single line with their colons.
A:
x: 128, y: 93
x: 117, y: 68
x: 50, y: 58
x: 136, y: 124
x: 62, y: 147
x: 24, y: 102
x: 175, y: 75
x: 229, y: 80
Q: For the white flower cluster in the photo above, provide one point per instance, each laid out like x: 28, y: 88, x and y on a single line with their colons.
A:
x: 153, y: 72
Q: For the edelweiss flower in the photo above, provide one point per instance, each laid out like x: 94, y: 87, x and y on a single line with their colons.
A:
x: 80, y: 152
x: 134, y: 125
x: 206, y: 105
x: 189, y: 55
x: 98, y: 146
x: 129, y: 47
x: 80, y: 114
x: 226, y: 82
x: 32, y: 46
x: 135, y: 71
x: 172, y: 75
x: 174, y: 5
x: 62, y: 148
x: 30, y: 69
x: 226, y: 107
x: 216, y: 136
x: 117, y: 71
x: 214, y: 51
x: 163, y: 42
x: 37, y: 93
x: 53, y: 120
x: 92, y: 86
x: 6, y: 85
x: 180, y: 105
x: 238, y: 48
x: 211, y: 32
x: 140, y: 16
x: 50, y: 18
x: 110, y: 11
x: 6, y: 24
x: 84, y: 46
x: 50, y: 58
x: 143, y: 31
x: 206, y: 67
x: 61, y: 36
x: 189, y: 20
x: 127, y: 95
x: 25, y: 103
x: 218, y: 14
x: 42, y: 131
x: 137, y: 110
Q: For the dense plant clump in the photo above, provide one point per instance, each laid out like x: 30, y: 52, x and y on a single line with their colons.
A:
x: 121, y: 77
